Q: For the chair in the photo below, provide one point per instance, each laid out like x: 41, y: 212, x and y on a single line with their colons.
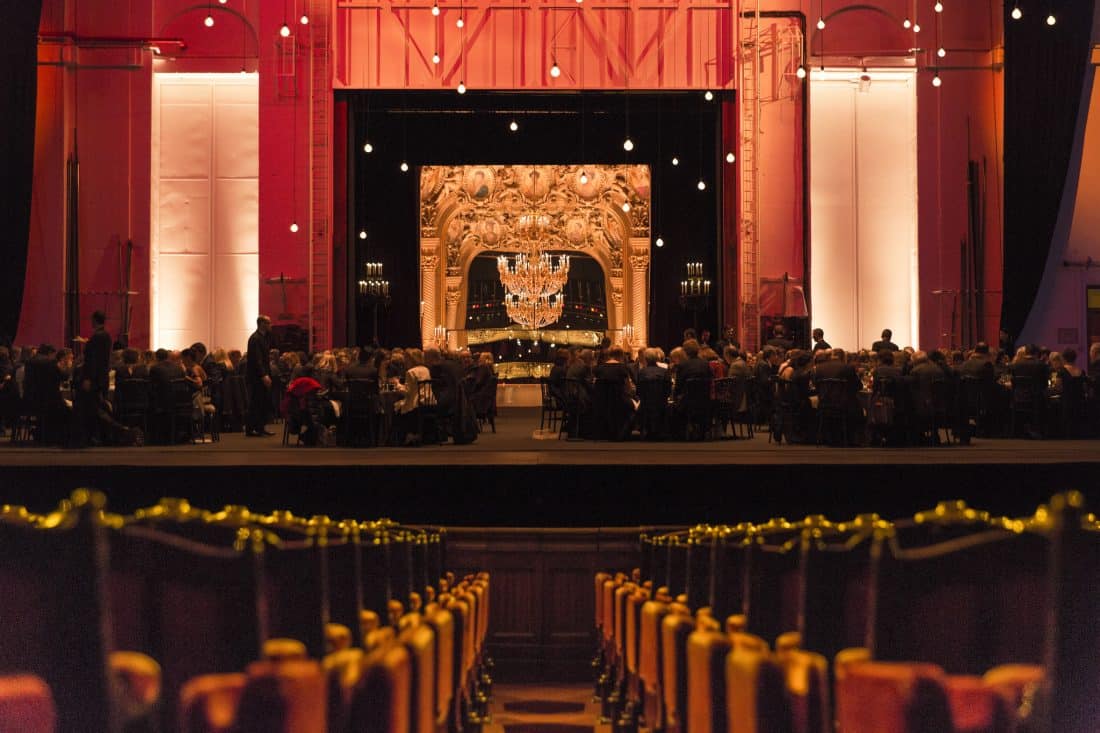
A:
x: 725, y: 402
x: 360, y: 412
x: 550, y: 414
x: 788, y: 412
x: 695, y: 407
x: 181, y: 411
x: 575, y: 407
x: 208, y: 703
x: 1073, y: 408
x: 832, y: 409
x: 610, y: 409
x: 486, y: 409
x: 932, y: 403
x: 428, y: 414
x: 973, y: 400
x: 653, y: 397
x: 132, y: 402
x: 1028, y: 405
x: 26, y: 704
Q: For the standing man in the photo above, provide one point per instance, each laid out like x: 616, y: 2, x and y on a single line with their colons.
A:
x: 92, y: 384
x: 258, y: 377
x: 820, y: 343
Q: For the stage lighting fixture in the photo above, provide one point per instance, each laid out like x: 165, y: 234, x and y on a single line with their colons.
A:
x: 294, y: 227
x: 209, y: 22
x: 284, y: 31
x: 404, y: 167
x: 628, y: 145
x: 730, y: 157
x: 821, y: 23
x: 701, y: 185
x: 801, y: 72
x: 660, y: 242
x: 1017, y: 13
x: 461, y: 87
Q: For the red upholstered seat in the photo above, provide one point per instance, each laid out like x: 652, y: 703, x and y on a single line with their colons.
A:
x: 26, y: 705
x: 381, y: 701
x: 976, y: 707
x: 706, y: 661
x: 208, y: 704
x: 283, y: 697
x: 873, y: 697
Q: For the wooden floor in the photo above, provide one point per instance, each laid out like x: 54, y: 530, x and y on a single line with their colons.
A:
x: 516, y: 444
x: 544, y: 708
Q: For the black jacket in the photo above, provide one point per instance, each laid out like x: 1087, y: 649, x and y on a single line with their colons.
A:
x: 257, y: 358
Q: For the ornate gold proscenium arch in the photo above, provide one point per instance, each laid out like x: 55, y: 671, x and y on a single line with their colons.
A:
x: 467, y: 210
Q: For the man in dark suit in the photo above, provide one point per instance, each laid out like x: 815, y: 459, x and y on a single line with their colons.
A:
x: 885, y: 342
x: 837, y: 367
x: 979, y: 365
x: 649, y: 368
x: 42, y: 391
x: 735, y: 365
x: 449, y: 374
x: 364, y: 367
x: 97, y: 356
x: 258, y: 378
x: 691, y: 368
x: 820, y: 344
x: 779, y: 339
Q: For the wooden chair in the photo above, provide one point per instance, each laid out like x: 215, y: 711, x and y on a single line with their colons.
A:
x: 360, y: 413
x: 550, y: 411
x: 653, y: 397
x: 832, y: 410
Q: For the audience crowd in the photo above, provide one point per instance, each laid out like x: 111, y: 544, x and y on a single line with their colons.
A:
x: 878, y: 395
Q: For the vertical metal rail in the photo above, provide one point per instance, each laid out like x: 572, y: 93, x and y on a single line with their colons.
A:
x: 749, y: 234
x: 320, y: 175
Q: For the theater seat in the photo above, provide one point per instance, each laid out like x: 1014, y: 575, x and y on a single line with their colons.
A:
x: 380, y: 703
x: 283, y: 650
x: 649, y: 657
x: 139, y: 676
x: 208, y: 704
x: 26, y: 705
x: 707, y: 648
x: 286, y: 696
x: 675, y: 628
x: 872, y: 697
x: 976, y: 707
x: 1017, y: 683
x: 337, y: 637
x: 420, y: 643
x: 343, y: 670
x: 756, y: 694
x: 807, y: 679
x: 442, y: 623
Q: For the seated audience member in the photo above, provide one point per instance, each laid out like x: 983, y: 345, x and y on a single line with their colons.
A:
x: 582, y: 368
x: 619, y: 408
x: 1069, y: 364
x: 837, y: 367
x: 447, y: 377
x: 364, y: 367
x: 406, y: 418
x: 736, y: 366
x: 978, y: 365
x: 130, y: 367
x: 481, y: 388
x: 1094, y: 359
x: 885, y: 342
x: 304, y: 408
x: 796, y: 370
x: 558, y: 372
x: 820, y: 344
x: 717, y: 366
x: 237, y: 362
x: 42, y: 392
x: 692, y: 367
x: 651, y: 368
x: 887, y: 368
x: 1028, y: 365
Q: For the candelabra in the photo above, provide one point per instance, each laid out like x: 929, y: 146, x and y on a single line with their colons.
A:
x: 374, y: 289
x: 696, y: 284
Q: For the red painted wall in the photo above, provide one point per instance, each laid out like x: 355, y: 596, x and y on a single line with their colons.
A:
x: 110, y: 107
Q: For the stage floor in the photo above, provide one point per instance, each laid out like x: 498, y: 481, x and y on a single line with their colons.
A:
x: 512, y: 478
x: 515, y: 444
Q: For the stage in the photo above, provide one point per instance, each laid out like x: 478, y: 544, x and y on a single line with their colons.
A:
x: 514, y: 478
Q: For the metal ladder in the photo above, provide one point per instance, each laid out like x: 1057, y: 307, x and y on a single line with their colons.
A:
x: 320, y: 176
x: 748, y: 234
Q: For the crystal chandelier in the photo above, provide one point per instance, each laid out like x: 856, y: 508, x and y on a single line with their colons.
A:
x: 533, y: 278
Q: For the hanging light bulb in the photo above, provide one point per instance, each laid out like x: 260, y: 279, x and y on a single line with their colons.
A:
x: 821, y: 23
x: 907, y: 24
x: 938, y: 7
x: 1051, y: 20
x: 513, y: 125
x: 363, y: 234
x: 435, y: 57
x: 460, y: 22
x: 675, y: 160
x: 284, y: 31
x: 304, y: 20
x: 294, y: 227
x: 730, y: 157
x: 223, y: 2
x: 801, y: 72
x: 708, y: 95
x: 660, y: 242
x: 209, y: 22
x: 367, y: 147
x: 584, y: 177
x: 626, y: 207
x: 555, y: 70
x: 941, y: 52
x: 435, y: 9
x: 916, y: 27
x: 701, y: 185
x: 462, y: 87
x: 628, y: 144
x: 1017, y: 13
x: 404, y: 167
x: 936, y: 81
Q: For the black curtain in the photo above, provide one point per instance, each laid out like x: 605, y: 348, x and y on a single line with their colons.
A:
x: 18, y: 94
x: 1044, y: 69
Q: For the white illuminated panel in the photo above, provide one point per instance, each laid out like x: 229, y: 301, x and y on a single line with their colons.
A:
x: 863, y: 206
x: 205, y: 218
